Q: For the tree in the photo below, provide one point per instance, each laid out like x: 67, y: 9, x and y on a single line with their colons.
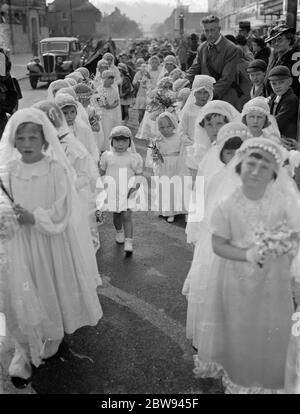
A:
x: 118, y: 25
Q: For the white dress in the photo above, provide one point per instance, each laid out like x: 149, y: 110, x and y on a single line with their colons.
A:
x: 171, y: 149
x: 110, y: 117
x: 120, y: 168
x: 244, y: 320
x: 87, y: 176
x: 84, y: 133
x: 50, y: 287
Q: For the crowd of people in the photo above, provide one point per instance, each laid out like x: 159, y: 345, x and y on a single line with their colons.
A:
x: 228, y: 112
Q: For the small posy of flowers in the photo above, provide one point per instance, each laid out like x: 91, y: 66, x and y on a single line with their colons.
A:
x: 102, y: 98
x: 155, y: 152
x: 160, y: 100
x: 277, y: 242
x: 8, y: 222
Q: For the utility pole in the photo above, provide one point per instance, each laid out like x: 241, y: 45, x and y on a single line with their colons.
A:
x: 71, y: 18
x: 181, y: 23
x: 10, y: 21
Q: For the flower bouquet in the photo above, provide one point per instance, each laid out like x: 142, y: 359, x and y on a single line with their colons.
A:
x: 159, y: 101
x: 8, y: 219
x: 277, y: 242
x: 94, y: 119
x: 155, y: 153
x: 102, y: 98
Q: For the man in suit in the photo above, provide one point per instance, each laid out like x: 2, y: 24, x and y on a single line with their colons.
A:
x: 217, y: 57
x: 284, y: 103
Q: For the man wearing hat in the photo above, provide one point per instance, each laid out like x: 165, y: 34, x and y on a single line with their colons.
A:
x: 257, y: 71
x: 283, y: 103
x: 244, y: 30
x: 285, y: 53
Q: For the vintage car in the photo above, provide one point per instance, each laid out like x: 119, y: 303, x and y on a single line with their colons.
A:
x: 59, y: 56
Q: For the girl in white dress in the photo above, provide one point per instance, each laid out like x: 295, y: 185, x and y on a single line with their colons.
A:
x: 230, y: 138
x: 86, y: 178
x: 85, y: 96
x: 102, y: 65
x: 170, y: 63
x: 142, y: 82
x: 154, y: 69
x: 82, y: 131
x: 168, y: 163
x: 202, y: 92
x: 108, y: 100
x: 212, y: 117
x: 77, y: 76
x: 257, y: 116
x: 55, y: 86
x: 120, y: 165
x: 243, y: 329
x: 50, y: 288
x: 148, y: 127
x: 111, y: 66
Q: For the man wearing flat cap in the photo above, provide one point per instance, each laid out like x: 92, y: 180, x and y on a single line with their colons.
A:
x: 286, y: 53
x: 217, y: 57
x: 283, y: 103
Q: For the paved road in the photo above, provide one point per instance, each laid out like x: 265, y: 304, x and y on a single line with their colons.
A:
x: 139, y: 346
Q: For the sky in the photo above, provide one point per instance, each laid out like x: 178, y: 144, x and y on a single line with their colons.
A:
x: 147, y: 12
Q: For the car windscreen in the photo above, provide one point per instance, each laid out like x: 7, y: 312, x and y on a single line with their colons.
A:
x: 54, y: 46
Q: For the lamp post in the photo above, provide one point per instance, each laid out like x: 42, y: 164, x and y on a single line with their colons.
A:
x: 71, y: 18
x: 181, y: 23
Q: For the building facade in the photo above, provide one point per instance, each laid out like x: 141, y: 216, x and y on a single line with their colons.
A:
x: 23, y: 24
x: 73, y: 18
x: 259, y: 13
x: 191, y: 22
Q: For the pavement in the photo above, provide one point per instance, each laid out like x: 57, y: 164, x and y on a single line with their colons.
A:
x: 19, y: 65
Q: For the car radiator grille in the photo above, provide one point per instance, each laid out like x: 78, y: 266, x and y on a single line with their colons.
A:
x: 48, y: 63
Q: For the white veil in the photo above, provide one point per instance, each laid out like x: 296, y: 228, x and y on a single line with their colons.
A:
x: 200, y: 82
x: 199, y: 285
x: 202, y: 142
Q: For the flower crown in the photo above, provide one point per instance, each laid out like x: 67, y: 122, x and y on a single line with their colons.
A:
x: 242, y: 133
x: 263, y: 147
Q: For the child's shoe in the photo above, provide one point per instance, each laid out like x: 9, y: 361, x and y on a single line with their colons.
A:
x: 171, y: 219
x: 120, y: 238
x: 128, y: 248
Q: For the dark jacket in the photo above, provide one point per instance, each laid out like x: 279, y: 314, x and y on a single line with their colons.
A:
x: 126, y: 88
x: 224, y: 59
x: 291, y: 60
x: 8, y: 100
x: 263, y: 54
x: 286, y: 113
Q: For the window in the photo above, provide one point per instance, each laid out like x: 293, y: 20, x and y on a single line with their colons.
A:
x: 64, y: 16
x: 54, y: 46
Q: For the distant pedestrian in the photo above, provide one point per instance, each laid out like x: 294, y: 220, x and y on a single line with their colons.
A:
x: 284, y: 103
x: 260, y: 49
x: 285, y: 52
